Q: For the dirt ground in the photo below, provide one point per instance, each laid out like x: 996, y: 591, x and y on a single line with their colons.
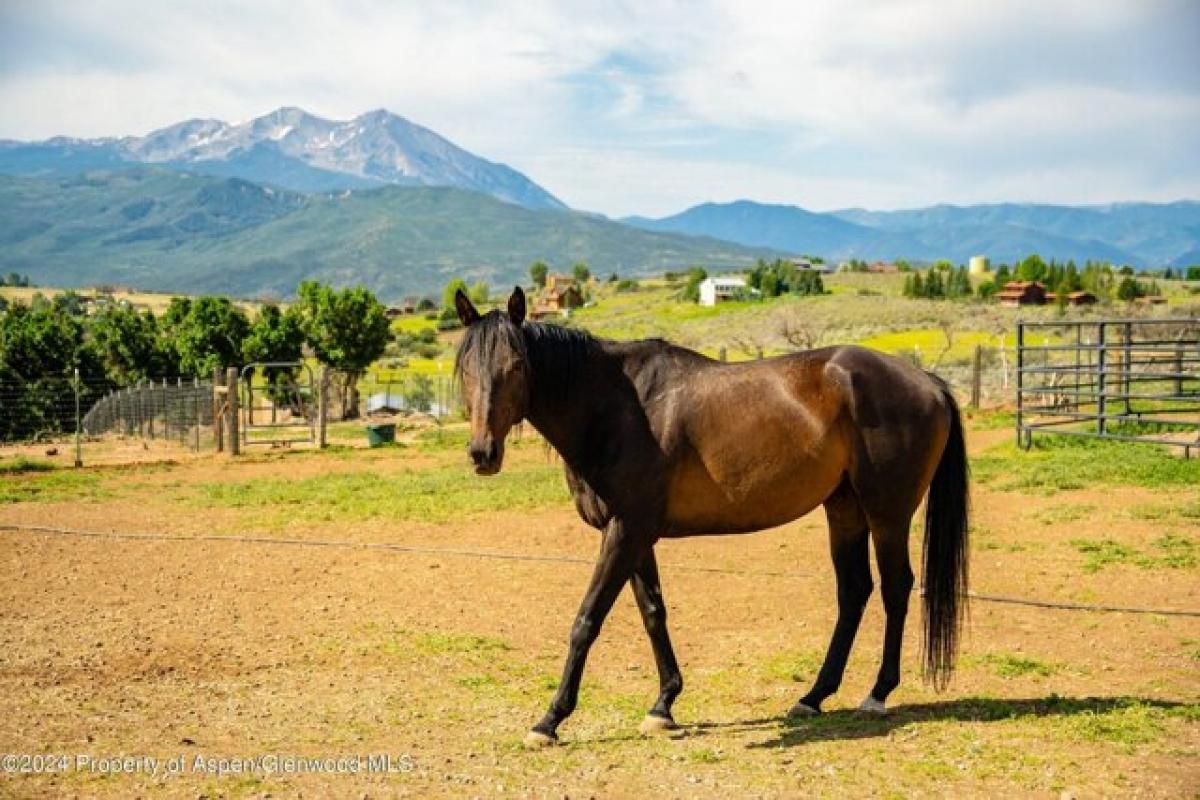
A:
x: 202, y: 649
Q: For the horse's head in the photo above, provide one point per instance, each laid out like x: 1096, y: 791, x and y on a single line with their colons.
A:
x: 494, y: 368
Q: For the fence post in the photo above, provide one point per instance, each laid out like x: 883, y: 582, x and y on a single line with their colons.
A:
x: 1128, y: 367
x: 723, y: 355
x: 218, y: 410
x: 322, y: 406
x: 1020, y: 377
x: 1102, y: 379
x: 78, y: 443
x: 976, y: 375
x: 1178, y: 371
x: 231, y: 384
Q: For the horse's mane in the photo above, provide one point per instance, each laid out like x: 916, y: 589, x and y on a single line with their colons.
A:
x: 555, y: 353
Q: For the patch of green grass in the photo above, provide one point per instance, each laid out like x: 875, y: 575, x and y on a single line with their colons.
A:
x: 1170, y: 550
x: 23, y: 464
x: 1009, y: 665
x: 795, y: 666
x: 1176, y: 551
x: 1100, y: 553
x: 478, y: 682
x: 705, y: 755
x: 930, y: 342
x: 55, y: 486
x: 453, y: 642
x: 431, y: 495
x: 1063, y: 513
x: 1130, y: 724
x: 990, y: 420
x: 1056, y: 464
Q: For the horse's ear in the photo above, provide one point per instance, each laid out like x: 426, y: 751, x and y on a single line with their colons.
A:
x: 516, y: 306
x: 466, y: 311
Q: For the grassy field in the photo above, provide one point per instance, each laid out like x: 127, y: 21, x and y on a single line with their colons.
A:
x: 336, y: 603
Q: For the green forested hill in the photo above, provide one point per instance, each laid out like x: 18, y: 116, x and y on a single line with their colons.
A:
x: 171, y: 231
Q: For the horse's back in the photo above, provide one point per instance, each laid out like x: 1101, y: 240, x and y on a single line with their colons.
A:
x: 761, y: 443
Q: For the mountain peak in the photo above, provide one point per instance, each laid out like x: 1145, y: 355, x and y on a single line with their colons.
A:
x: 294, y: 149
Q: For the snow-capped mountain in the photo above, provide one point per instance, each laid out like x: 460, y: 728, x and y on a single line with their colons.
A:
x: 294, y: 149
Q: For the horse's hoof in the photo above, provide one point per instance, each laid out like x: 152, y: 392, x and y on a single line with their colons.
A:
x: 536, y: 740
x: 870, y: 705
x: 802, y: 709
x: 653, y: 723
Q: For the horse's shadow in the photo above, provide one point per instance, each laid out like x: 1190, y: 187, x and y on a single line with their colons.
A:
x: 849, y: 724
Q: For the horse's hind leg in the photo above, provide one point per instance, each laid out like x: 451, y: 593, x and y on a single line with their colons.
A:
x: 848, y: 544
x: 896, y: 582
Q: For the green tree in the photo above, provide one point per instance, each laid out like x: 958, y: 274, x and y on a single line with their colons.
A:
x: 1002, y: 276
x: 39, y: 351
x: 537, y: 273
x: 1032, y: 269
x: 1128, y: 289
x: 130, y: 345
x: 448, y: 317
x: 209, y: 336
x: 346, y: 329
x: 691, y: 289
x: 808, y: 282
x: 479, y: 292
x: 276, y: 336
x: 581, y: 272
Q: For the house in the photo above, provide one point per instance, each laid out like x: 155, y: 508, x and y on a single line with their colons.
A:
x: 1073, y: 298
x: 1022, y: 293
x: 559, y: 297
x: 808, y: 265
x: 718, y: 290
x: 882, y: 268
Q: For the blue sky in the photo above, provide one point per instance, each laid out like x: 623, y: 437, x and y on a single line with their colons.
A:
x: 647, y: 108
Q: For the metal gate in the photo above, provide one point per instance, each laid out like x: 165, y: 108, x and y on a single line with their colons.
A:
x: 277, y: 403
x: 1124, y: 379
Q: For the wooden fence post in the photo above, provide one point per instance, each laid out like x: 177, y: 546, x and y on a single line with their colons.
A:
x: 322, y: 406
x: 231, y: 384
x: 218, y: 409
x: 976, y: 375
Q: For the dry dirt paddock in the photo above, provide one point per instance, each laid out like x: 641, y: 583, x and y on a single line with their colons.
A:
x: 231, y: 635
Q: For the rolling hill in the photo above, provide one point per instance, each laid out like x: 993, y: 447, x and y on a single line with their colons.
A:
x: 163, y: 230
x: 1139, y: 234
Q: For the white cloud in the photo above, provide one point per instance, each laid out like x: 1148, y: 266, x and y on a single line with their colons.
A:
x: 649, y: 107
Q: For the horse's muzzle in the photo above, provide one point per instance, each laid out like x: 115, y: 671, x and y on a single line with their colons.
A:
x: 487, y: 456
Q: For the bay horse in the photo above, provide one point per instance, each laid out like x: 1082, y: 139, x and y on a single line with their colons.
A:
x: 659, y: 441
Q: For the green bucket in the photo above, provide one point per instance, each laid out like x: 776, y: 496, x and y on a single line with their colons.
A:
x: 378, y: 435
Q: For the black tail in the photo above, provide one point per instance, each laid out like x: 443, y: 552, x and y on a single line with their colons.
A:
x: 945, y: 566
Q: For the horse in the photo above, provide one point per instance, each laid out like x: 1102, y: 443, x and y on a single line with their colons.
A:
x: 658, y: 441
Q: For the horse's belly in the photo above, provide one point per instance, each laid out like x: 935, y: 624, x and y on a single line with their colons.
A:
x: 715, y: 498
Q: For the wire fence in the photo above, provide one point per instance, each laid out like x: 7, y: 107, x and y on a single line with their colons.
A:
x: 46, y: 408
x: 86, y: 413
x: 165, y: 409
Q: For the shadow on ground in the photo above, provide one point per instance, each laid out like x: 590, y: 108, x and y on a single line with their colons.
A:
x: 849, y: 724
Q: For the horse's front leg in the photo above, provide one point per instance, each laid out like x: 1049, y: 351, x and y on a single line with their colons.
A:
x: 620, y: 554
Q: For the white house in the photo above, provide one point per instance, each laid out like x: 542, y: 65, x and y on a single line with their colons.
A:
x: 808, y: 265
x: 717, y: 290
